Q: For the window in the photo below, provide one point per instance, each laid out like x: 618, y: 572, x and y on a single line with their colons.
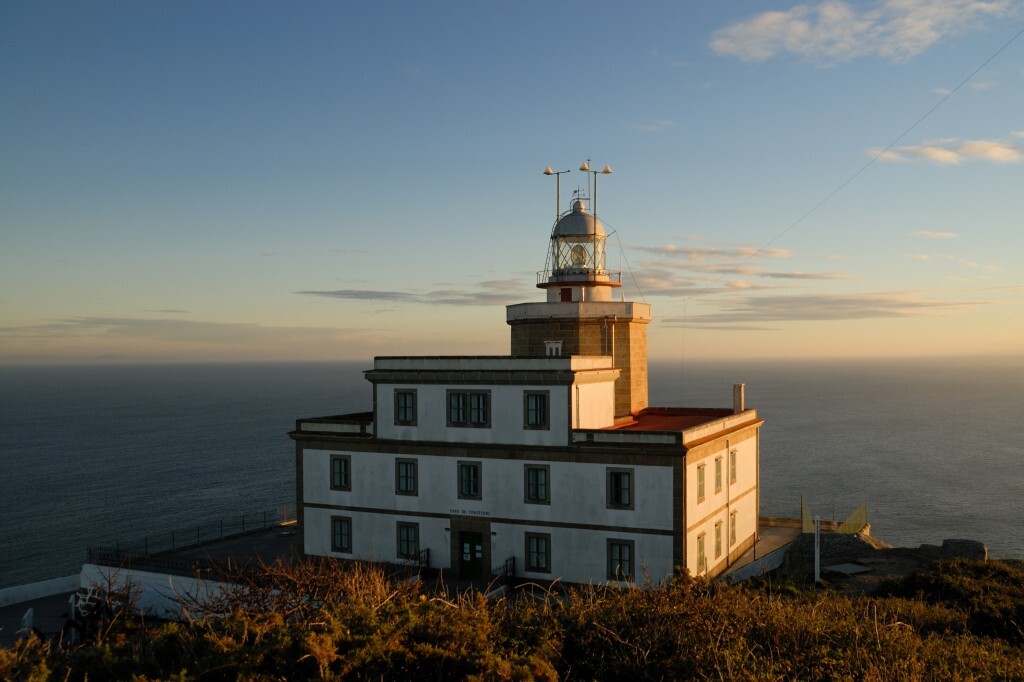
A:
x: 620, y: 488
x: 405, y: 407
x: 718, y: 539
x: 469, y: 480
x: 405, y: 477
x: 537, y: 487
x: 341, y: 472
x: 732, y: 529
x: 341, y: 534
x: 701, y: 558
x: 620, y: 559
x: 538, y: 552
x: 718, y: 475
x: 469, y: 408
x: 408, y: 540
x: 732, y: 466
x: 535, y: 410
x: 700, y: 483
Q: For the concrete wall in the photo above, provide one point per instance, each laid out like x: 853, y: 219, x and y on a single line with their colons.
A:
x: 157, y: 594
x: 45, y: 588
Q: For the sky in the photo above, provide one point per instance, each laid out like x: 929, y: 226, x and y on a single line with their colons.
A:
x: 270, y: 181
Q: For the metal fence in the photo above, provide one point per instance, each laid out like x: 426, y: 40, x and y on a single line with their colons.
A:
x: 853, y: 523
x: 188, y: 536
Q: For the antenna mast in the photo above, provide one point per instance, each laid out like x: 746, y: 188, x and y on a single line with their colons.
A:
x: 558, y: 189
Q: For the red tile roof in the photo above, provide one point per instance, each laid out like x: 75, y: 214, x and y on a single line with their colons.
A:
x: 670, y: 418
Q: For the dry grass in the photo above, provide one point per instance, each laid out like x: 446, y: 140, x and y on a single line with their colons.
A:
x: 318, y: 620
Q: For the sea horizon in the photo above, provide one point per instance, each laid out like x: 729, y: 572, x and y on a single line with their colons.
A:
x: 104, y: 452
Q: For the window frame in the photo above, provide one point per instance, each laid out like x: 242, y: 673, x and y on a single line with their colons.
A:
x: 611, y: 474
x: 341, y: 522
x: 399, y: 463
x: 467, y: 409
x: 702, y: 555
x: 732, y: 466
x: 345, y: 485
x: 701, y: 483
x: 718, y: 475
x: 732, y: 529
x: 545, y: 422
x: 546, y: 469
x: 612, y: 566
x: 476, y: 466
x: 545, y: 538
x: 718, y: 539
x: 413, y: 408
x: 414, y: 528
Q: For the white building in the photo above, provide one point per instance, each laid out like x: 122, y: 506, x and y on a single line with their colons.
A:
x: 549, y: 456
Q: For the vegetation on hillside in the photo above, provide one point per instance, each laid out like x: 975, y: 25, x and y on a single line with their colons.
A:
x: 321, y: 620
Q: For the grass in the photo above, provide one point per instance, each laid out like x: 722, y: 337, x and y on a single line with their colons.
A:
x: 319, y: 620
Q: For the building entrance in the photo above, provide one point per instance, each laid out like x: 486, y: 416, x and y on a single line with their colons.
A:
x: 471, y: 555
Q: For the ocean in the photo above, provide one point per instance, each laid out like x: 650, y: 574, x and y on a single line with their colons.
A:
x: 105, y: 453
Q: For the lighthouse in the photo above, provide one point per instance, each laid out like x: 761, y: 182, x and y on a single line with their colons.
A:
x: 579, y: 316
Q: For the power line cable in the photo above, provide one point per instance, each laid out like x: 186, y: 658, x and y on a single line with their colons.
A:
x: 854, y: 176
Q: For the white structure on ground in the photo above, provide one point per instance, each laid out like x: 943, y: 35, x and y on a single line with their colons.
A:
x: 549, y: 456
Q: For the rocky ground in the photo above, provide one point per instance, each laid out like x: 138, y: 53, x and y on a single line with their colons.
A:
x: 858, y: 563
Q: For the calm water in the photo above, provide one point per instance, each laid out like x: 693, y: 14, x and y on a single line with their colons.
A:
x: 92, y: 455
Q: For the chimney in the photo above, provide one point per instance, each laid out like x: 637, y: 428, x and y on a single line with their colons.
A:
x: 738, y: 398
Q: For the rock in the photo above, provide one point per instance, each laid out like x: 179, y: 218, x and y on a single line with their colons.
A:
x: 965, y: 549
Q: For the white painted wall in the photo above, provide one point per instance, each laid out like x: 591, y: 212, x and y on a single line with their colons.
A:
x: 577, y: 493
x: 507, y: 415
x: 739, y: 497
x: 593, y: 404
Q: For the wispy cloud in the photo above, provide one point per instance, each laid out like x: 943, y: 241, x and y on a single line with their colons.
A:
x: 751, y: 310
x: 684, y: 270
x: 490, y: 292
x: 930, y: 234
x: 965, y: 262
x: 833, y: 31
x: 668, y: 59
x: 170, y: 330
x: 699, y: 253
x: 953, y: 152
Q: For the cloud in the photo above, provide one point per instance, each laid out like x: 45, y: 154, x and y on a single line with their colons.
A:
x: 491, y: 292
x: 952, y: 153
x: 170, y: 330
x: 676, y: 271
x: 670, y: 60
x: 657, y: 126
x: 930, y: 234
x: 803, y: 275
x: 832, y: 31
x: 167, y: 311
x: 962, y: 261
x: 822, y: 307
x: 699, y: 253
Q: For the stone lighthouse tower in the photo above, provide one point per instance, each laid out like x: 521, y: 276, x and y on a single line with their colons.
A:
x: 579, y: 316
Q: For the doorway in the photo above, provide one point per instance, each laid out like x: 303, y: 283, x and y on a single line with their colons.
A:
x: 471, y: 555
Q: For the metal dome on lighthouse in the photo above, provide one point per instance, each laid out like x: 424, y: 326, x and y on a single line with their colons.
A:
x: 575, y: 269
